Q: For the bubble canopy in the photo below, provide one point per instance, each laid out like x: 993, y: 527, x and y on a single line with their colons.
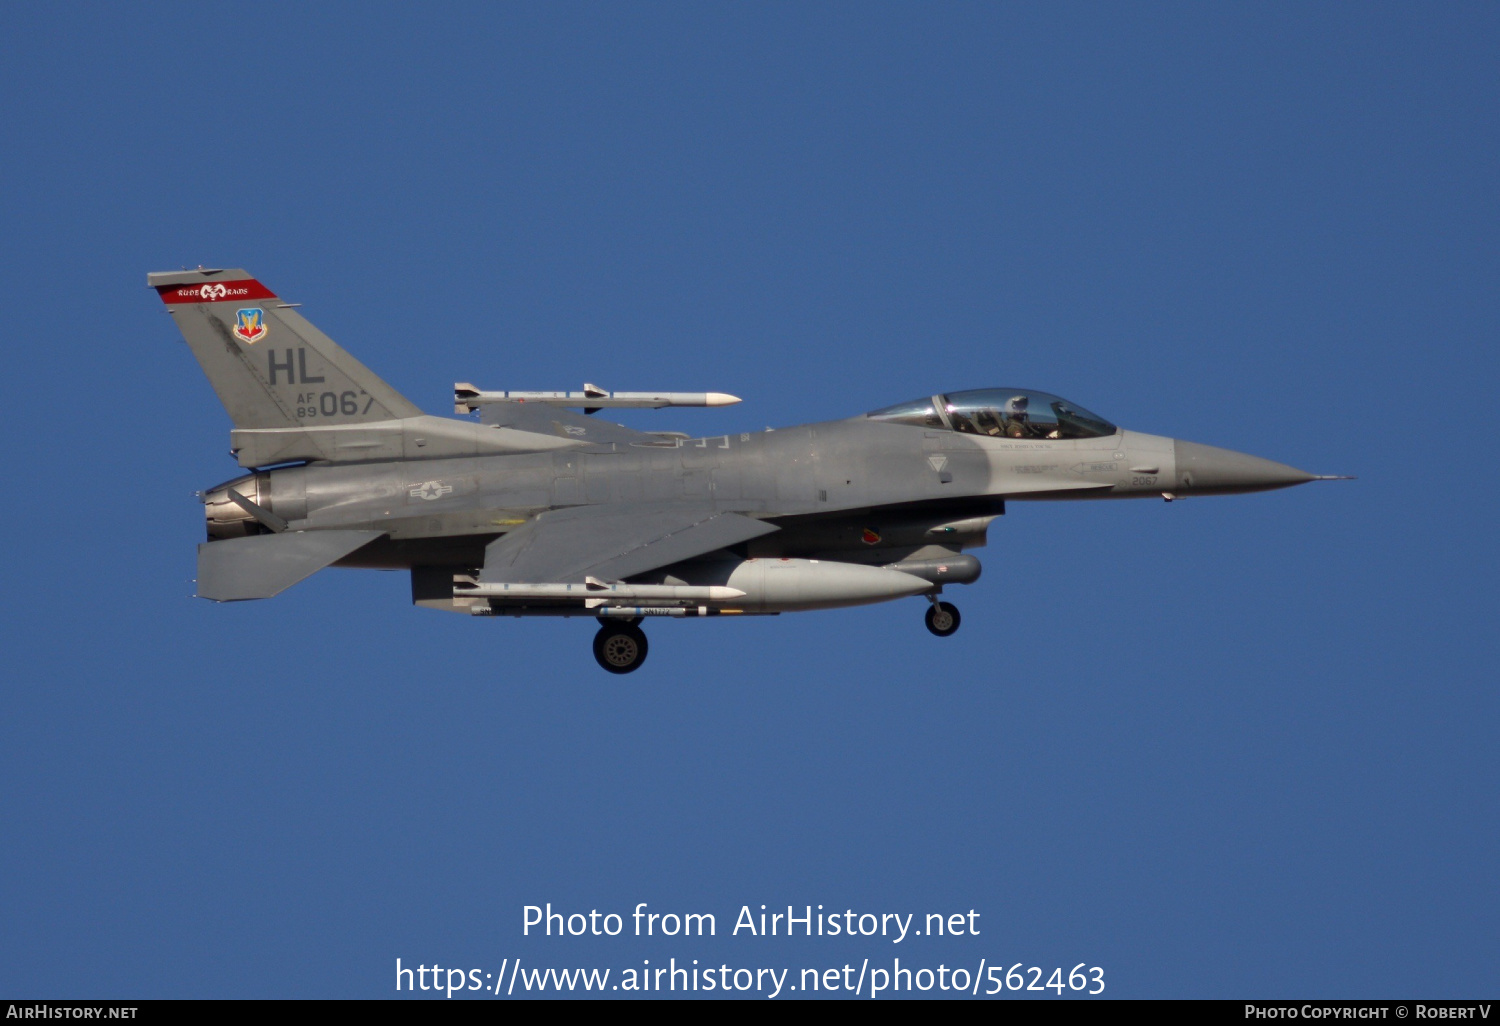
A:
x: 999, y: 413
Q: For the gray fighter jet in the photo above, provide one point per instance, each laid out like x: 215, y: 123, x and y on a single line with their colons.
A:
x: 531, y: 509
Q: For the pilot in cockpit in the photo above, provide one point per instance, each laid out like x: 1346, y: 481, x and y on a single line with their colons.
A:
x: 1014, y: 421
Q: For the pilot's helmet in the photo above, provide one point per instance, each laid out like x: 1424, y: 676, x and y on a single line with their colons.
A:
x: 1016, y: 405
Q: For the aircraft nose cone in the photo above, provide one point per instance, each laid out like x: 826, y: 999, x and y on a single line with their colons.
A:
x: 1205, y: 469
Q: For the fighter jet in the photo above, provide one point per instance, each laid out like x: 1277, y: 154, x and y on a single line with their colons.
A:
x: 526, y: 504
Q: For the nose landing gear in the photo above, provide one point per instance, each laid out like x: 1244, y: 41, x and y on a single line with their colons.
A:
x: 942, y: 617
x: 620, y: 647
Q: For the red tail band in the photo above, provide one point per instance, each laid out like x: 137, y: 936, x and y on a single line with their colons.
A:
x: 215, y: 292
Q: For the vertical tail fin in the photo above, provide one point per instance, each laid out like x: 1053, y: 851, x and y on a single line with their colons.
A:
x: 270, y: 367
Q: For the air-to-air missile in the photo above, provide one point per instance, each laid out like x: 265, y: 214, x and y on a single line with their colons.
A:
x: 467, y: 398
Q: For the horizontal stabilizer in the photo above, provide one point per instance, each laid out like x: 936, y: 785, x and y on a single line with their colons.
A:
x: 263, y: 565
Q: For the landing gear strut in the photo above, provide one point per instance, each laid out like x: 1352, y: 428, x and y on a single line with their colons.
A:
x: 620, y: 647
x: 942, y: 618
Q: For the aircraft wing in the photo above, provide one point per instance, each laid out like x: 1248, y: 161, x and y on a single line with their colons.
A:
x: 553, y: 420
x: 612, y: 542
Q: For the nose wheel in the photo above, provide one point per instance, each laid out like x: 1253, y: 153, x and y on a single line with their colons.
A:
x: 620, y: 647
x: 943, y: 619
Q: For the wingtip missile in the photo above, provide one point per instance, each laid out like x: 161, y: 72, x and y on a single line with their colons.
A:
x: 468, y: 397
x: 594, y: 589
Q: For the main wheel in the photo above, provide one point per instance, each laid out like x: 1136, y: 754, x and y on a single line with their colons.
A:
x: 620, y: 647
x: 943, y: 619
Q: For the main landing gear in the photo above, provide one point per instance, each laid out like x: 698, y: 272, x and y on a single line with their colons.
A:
x: 620, y: 647
x: 942, y: 618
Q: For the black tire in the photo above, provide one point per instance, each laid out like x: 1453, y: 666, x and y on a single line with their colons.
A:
x: 943, y: 619
x: 620, y: 647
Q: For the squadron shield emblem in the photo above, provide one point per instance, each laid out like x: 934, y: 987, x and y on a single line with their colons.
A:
x: 250, y: 325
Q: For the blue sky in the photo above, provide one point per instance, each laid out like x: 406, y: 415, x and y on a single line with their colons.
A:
x: 1226, y: 747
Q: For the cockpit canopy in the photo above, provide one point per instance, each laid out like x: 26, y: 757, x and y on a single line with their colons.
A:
x: 1000, y: 413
